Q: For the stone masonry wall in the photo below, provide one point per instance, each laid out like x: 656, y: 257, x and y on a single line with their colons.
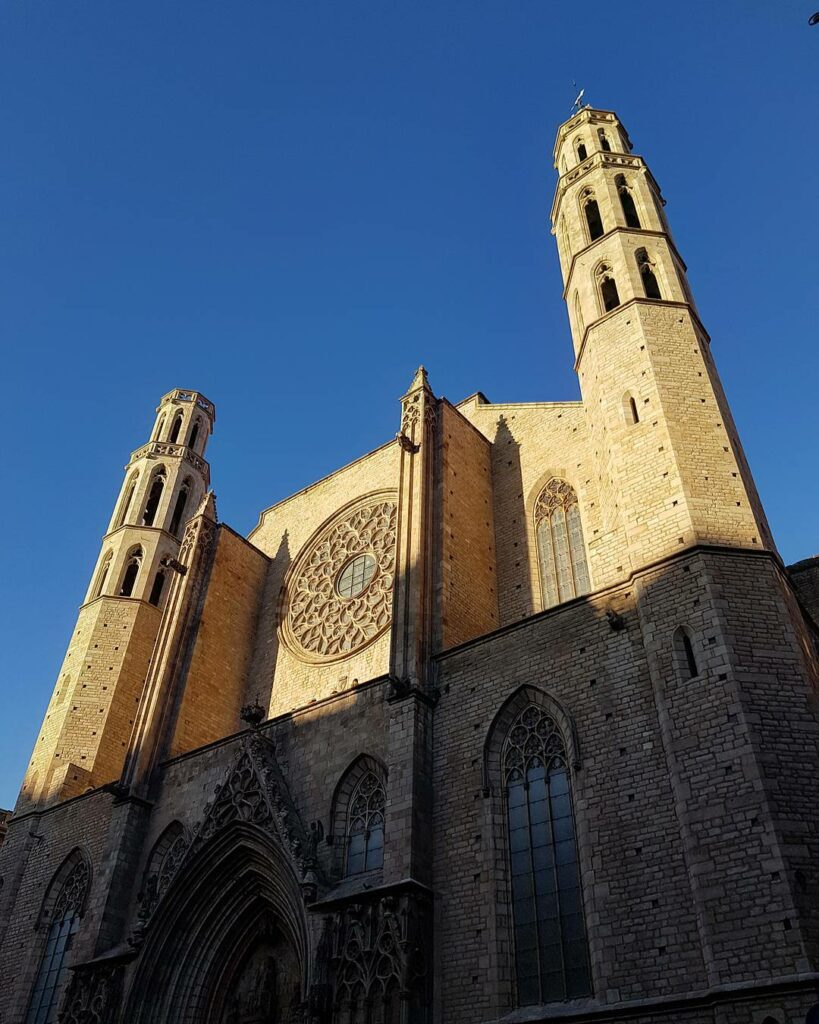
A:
x: 282, y: 679
x: 88, y: 720
x: 215, y: 683
x: 466, y: 577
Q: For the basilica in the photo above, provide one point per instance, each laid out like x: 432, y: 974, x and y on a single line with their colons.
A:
x: 514, y: 718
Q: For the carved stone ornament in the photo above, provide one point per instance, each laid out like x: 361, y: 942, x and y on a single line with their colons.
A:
x: 555, y: 495
x: 72, y: 895
x: 380, y: 951
x: 93, y: 995
x: 328, y: 611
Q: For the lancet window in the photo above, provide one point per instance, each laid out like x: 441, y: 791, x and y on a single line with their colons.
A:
x: 627, y: 202
x: 61, y: 913
x: 649, y: 278
x: 609, y: 296
x: 154, y: 498
x: 179, y: 507
x: 551, y: 953
x: 132, y: 567
x: 591, y: 210
x: 365, y: 825
x: 177, y: 426
x: 564, y: 571
x: 122, y: 515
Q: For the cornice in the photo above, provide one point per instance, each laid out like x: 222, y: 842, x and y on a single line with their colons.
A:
x: 600, y: 160
x: 638, y: 301
x: 164, y: 450
x: 614, y: 588
x: 620, y: 229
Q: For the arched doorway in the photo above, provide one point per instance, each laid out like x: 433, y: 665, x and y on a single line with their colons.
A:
x: 229, y: 942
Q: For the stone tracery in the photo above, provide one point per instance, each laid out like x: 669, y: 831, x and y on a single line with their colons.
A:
x: 319, y: 621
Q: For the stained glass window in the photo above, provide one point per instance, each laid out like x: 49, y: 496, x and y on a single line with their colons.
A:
x: 551, y: 954
x: 365, y: 825
x: 64, y: 919
x: 564, y: 571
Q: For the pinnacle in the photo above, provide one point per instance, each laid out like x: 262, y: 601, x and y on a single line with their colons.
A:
x: 420, y: 380
x: 207, y: 507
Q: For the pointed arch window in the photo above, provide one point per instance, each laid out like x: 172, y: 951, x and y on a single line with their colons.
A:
x: 160, y: 424
x: 605, y: 145
x: 179, y: 507
x: 580, y: 146
x: 62, y: 911
x: 103, y: 574
x: 609, y: 295
x: 551, y: 952
x: 564, y: 571
x: 126, y: 502
x: 154, y: 498
x: 650, y: 285
x: 132, y: 567
x: 684, y: 650
x: 365, y: 825
x: 591, y: 210
x: 177, y: 426
x: 627, y: 202
x: 195, y: 434
x: 630, y: 411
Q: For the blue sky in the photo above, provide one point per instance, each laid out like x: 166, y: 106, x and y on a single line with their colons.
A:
x: 289, y: 205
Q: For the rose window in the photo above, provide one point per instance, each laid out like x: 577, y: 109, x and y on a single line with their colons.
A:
x: 338, y: 595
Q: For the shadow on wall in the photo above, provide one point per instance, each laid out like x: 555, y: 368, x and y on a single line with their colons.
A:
x: 515, y: 598
x: 260, y: 681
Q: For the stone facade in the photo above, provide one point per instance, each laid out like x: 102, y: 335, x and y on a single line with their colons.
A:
x: 512, y: 718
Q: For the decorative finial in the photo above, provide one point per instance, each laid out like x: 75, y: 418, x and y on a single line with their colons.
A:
x: 578, y: 100
x: 207, y: 507
x: 420, y: 380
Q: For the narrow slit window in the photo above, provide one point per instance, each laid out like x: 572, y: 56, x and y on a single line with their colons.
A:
x: 685, y: 653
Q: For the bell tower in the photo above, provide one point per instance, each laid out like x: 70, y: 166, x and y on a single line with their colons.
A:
x: 671, y: 471
x: 84, y: 735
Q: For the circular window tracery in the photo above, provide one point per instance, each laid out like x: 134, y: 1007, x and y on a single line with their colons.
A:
x: 339, y: 593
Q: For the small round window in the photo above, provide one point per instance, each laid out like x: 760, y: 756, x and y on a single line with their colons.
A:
x: 356, y: 576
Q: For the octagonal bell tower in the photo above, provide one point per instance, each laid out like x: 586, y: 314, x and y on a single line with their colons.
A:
x: 83, y: 739
x: 669, y: 463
